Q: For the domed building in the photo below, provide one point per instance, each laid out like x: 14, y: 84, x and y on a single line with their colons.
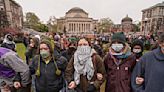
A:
x: 127, y: 24
x: 76, y: 21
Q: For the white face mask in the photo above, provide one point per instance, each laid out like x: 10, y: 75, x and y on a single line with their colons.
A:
x: 136, y: 50
x: 84, y: 49
x: 117, y: 47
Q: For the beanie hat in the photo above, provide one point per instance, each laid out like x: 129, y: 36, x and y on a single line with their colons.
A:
x: 137, y: 42
x: 48, y: 43
x: 120, y: 37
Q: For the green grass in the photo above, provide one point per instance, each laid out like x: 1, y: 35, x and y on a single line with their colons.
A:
x: 20, y: 48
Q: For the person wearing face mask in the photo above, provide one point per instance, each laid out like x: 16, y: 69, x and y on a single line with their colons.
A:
x: 48, y: 69
x: 151, y: 69
x: 70, y: 51
x: 119, y: 63
x: 85, y: 71
x: 137, y: 48
x: 32, y: 49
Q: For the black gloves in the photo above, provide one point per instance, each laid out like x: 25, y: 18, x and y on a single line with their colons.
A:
x: 91, y: 88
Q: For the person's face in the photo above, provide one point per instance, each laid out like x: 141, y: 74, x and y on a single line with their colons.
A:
x: 83, y: 42
x: 44, y: 51
x: 44, y: 47
x: 32, y: 43
x: 137, y: 49
x: 117, y: 46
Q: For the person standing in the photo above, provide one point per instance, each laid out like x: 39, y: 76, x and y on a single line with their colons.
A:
x: 14, y: 73
x: 48, y: 69
x: 85, y: 71
x: 8, y: 42
x: 137, y: 48
x: 150, y: 68
x: 119, y: 63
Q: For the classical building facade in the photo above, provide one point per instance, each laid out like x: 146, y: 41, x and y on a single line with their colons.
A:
x: 153, y: 18
x: 76, y: 21
x: 12, y: 13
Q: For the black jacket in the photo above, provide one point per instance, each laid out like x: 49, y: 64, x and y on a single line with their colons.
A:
x: 48, y: 81
x: 8, y: 46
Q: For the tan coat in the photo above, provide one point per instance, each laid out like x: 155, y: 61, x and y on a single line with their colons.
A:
x: 84, y: 82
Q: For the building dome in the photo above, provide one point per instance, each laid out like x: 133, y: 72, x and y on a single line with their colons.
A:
x: 76, y: 10
x: 127, y: 19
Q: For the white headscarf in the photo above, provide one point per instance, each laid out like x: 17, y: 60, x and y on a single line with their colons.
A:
x: 6, y: 40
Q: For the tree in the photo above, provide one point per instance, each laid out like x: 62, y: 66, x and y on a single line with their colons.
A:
x: 43, y: 28
x: 137, y: 27
x: 52, y: 24
x: 32, y: 21
x: 105, y: 24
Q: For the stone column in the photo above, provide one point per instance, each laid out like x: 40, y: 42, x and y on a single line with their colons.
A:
x: 89, y: 27
x: 78, y: 27
x: 85, y: 27
x: 73, y: 27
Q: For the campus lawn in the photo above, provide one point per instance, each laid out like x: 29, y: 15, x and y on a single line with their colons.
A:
x: 20, y: 48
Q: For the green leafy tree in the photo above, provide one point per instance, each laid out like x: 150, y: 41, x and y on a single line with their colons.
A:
x: 32, y: 21
x: 105, y: 24
x: 137, y: 27
x: 43, y: 28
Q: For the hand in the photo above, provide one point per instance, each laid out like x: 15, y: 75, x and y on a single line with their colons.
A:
x: 6, y: 88
x: 99, y: 76
x: 31, y: 45
x: 91, y: 88
x: 17, y: 85
x: 139, y: 80
x: 72, y: 85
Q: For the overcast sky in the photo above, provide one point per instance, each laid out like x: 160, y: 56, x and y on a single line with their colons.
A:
x: 114, y: 9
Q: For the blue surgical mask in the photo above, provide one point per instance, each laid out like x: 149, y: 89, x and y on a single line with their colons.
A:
x: 117, y: 47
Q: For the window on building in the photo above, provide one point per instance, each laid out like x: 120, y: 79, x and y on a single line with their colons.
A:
x: 1, y: 8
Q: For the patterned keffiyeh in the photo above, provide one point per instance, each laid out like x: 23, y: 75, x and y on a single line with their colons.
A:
x: 83, y: 63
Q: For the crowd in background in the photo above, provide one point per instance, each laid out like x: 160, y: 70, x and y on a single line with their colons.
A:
x: 59, y: 63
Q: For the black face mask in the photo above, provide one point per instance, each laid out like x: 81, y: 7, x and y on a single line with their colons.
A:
x: 138, y: 55
x: 71, y: 49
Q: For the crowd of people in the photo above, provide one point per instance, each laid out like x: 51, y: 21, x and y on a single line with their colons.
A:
x: 58, y: 63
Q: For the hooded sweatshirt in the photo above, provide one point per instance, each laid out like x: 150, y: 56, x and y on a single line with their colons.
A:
x: 151, y: 68
x: 10, y: 65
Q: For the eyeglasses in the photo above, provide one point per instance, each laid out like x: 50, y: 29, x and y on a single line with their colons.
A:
x: 44, y: 48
